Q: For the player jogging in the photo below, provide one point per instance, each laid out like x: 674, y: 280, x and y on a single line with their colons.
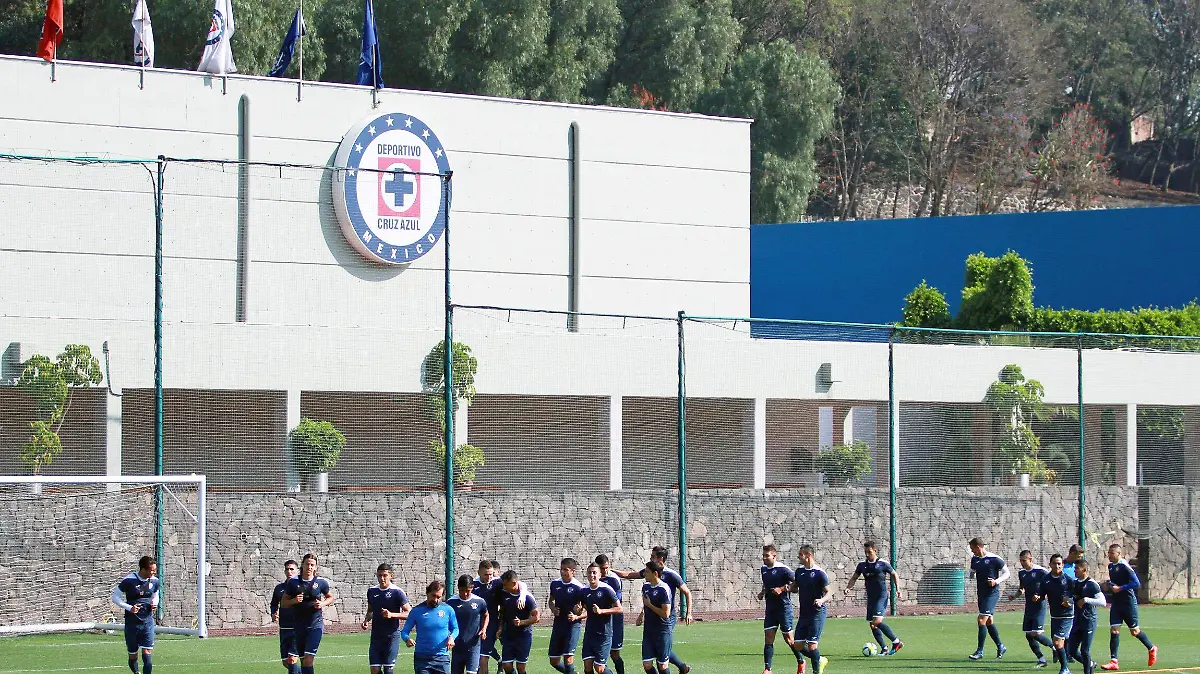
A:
x: 1123, y: 583
x: 437, y: 628
x: 678, y: 589
x: 286, y: 617
x: 518, y: 613
x: 989, y: 572
x: 137, y: 596
x: 655, y: 619
x: 308, y: 593
x: 1088, y: 596
x: 813, y: 590
x: 777, y: 581
x: 603, y: 608
x: 471, y: 612
x: 611, y: 579
x: 568, y: 617
x: 876, y: 573
x: 387, y: 605
x: 1059, y: 591
x: 1033, y: 624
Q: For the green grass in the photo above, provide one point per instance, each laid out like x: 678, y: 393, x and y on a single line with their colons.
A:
x: 932, y: 644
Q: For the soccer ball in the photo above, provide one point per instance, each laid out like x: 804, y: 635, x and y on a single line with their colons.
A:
x: 870, y: 648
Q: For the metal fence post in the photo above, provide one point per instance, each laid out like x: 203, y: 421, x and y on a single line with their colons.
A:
x: 682, y: 458
x: 158, y: 378
x: 448, y: 379
x: 893, y: 469
x: 1079, y: 364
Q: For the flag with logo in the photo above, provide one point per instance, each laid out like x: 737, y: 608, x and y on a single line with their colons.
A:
x: 218, y: 55
x: 289, y: 47
x: 52, y: 31
x: 143, y: 36
x: 370, y: 70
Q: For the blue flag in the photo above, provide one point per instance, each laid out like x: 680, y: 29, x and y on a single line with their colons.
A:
x: 289, y: 47
x: 370, y: 70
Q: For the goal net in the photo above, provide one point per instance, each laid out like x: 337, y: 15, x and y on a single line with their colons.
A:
x: 65, y: 543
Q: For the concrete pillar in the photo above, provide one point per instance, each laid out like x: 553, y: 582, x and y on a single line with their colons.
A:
x: 293, y: 420
x: 760, y: 443
x: 615, y: 457
x: 1131, y: 451
x: 112, y: 439
x: 460, y: 425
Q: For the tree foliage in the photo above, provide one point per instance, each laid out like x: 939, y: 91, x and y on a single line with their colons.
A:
x: 48, y: 383
x: 1016, y: 402
x: 926, y: 307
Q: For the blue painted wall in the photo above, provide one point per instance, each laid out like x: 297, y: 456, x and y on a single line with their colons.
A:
x: 861, y: 271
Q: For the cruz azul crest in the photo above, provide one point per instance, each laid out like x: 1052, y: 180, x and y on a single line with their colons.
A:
x: 389, y: 197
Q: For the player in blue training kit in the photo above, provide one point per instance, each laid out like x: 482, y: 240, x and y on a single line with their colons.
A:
x: 490, y: 588
x: 568, y: 617
x: 989, y: 572
x: 518, y: 614
x: 1087, y: 597
x: 777, y: 581
x: 137, y: 596
x: 1033, y: 624
x: 602, y: 608
x: 876, y: 573
x: 655, y: 619
x: 678, y: 589
x: 308, y: 594
x: 812, y: 593
x: 286, y: 618
x: 1058, y: 589
x: 471, y: 611
x: 437, y: 628
x: 611, y: 579
x: 387, y: 605
x: 1123, y: 583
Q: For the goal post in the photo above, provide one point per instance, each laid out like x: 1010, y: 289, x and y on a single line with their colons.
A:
x: 66, y: 541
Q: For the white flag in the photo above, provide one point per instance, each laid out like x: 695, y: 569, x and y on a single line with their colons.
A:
x: 218, y: 55
x: 143, y: 36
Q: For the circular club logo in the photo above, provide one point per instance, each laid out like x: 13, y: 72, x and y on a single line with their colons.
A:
x: 389, y: 198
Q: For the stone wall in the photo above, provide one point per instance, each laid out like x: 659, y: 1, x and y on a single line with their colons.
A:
x: 250, y: 536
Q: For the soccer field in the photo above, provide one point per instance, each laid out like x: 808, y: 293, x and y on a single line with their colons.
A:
x: 932, y: 644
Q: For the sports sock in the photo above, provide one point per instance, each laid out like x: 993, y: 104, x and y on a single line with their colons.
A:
x: 887, y: 632
x: 307, y: 670
x: 1045, y: 641
x: 815, y: 656
x: 1114, y: 644
x: 147, y: 663
x: 1034, y: 646
x: 1141, y: 636
x: 680, y: 664
x: 1062, y: 658
x: 878, y: 634
x: 982, y: 637
x: 388, y: 670
x: 133, y: 665
x: 768, y: 654
x: 569, y: 668
x: 797, y: 652
x: 558, y: 667
x: 294, y: 669
x: 620, y: 664
x: 994, y: 633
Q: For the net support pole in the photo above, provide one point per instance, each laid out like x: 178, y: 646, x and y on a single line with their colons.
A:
x: 682, y: 459
x: 158, y: 376
x: 893, y: 468
x: 1079, y: 378
x: 201, y: 533
x: 448, y: 401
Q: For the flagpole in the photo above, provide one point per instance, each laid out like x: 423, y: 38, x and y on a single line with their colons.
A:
x: 300, y: 39
x: 374, y: 53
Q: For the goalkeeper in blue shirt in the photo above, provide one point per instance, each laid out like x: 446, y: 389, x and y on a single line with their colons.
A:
x: 437, y: 628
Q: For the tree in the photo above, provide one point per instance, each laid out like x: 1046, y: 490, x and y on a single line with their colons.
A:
x: 845, y: 464
x: 1015, y: 403
x: 50, y: 384
x: 790, y: 95
x: 997, y: 293
x: 467, y: 458
x: 674, y: 49
x: 1073, y: 164
x: 926, y: 307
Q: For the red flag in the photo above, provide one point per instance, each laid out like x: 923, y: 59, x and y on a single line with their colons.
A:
x: 52, y: 31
